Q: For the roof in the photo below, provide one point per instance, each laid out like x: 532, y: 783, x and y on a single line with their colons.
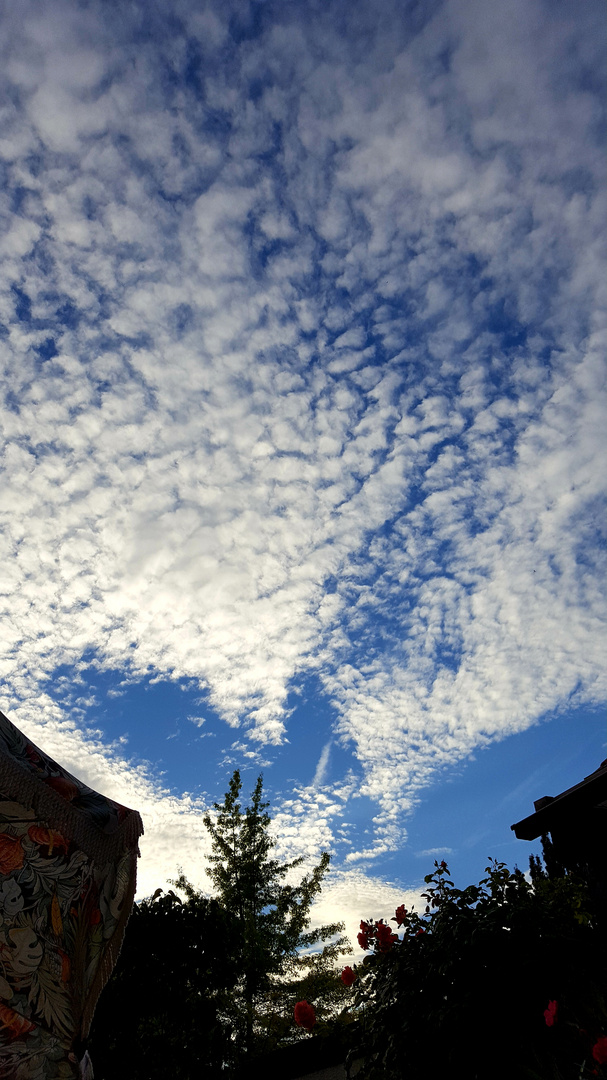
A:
x: 590, y: 793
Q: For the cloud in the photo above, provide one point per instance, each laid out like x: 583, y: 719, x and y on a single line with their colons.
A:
x: 323, y: 766
x: 435, y: 851
x: 350, y: 896
x: 303, y: 371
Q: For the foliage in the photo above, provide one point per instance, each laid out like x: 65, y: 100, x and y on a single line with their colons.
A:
x: 200, y: 982
x: 500, y: 980
x: 166, y: 1010
x: 279, y: 961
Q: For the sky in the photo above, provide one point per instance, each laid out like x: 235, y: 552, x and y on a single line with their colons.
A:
x: 303, y: 426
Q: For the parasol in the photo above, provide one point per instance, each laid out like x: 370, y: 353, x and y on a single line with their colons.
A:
x: 68, y: 860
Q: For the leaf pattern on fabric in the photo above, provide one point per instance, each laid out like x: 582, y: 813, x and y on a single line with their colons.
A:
x: 56, y: 910
x: 37, y: 1019
x: 67, y: 879
x: 50, y: 999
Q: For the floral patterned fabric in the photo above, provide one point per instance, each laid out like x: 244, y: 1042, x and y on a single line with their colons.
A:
x: 67, y: 881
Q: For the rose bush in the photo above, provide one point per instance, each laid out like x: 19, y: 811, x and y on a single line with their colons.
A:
x: 376, y: 935
x: 519, y: 961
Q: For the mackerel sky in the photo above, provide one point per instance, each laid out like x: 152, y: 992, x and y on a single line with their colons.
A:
x: 303, y: 421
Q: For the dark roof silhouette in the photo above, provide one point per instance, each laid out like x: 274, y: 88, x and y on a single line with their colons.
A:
x: 575, y: 803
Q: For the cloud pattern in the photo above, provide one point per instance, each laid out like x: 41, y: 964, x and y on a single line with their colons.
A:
x: 303, y: 352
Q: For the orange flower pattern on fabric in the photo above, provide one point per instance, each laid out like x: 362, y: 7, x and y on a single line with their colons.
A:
x: 67, y: 867
x: 13, y: 1023
x: 64, y: 787
x: 59, y: 887
x: 11, y: 854
x: 47, y: 838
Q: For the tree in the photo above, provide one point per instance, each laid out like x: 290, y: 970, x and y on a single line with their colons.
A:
x: 164, y: 1011
x: 273, y: 949
x: 502, y: 979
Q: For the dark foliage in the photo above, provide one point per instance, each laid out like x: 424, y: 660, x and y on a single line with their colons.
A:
x: 164, y: 1012
x: 203, y: 984
x: 466, y: 988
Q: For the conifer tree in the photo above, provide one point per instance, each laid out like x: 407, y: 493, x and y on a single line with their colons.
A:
x: 271, y: 915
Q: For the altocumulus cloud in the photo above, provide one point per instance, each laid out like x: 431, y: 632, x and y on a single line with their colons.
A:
x: 303, y: 355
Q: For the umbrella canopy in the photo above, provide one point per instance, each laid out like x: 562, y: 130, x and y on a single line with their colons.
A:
x: 68, y: 860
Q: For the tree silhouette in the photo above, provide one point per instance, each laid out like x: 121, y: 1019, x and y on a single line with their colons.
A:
x: 204, y: 983
x: 276, y: 956
x: 165, y: 1012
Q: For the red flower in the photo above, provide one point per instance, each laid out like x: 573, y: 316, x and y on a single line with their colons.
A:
x: 11, y: 854
x: 305, y: 1016
x: 385, y: 937
x: 380, y: 933
x: 599, y: 1050
x: 366, y: 932
x: 550, y: 1013
x: 400, y: 913
x: 348, y: 976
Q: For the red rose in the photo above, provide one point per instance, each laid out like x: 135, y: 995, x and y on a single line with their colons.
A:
x: 348, y: 976
x: 305, y: 1016
x: 550, y: 1013
x: 385, y: 937
x: 401, y: 914
x: 599, y: 1050
x: 366, y: 932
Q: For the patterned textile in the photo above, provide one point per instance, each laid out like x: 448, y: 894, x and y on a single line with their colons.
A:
x: 67, y: 880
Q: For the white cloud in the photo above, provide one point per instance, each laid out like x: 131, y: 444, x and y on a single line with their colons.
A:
x: 322, y: 768
x: 435, y: 852
x: 310, y: 381
x: 351, y: 896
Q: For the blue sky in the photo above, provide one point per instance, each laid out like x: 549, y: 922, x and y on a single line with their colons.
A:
x: 303, y: 351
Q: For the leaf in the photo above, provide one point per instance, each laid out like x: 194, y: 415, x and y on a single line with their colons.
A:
x: 14, y: 810
x: 26, y: 950
x: 51, y: 1000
